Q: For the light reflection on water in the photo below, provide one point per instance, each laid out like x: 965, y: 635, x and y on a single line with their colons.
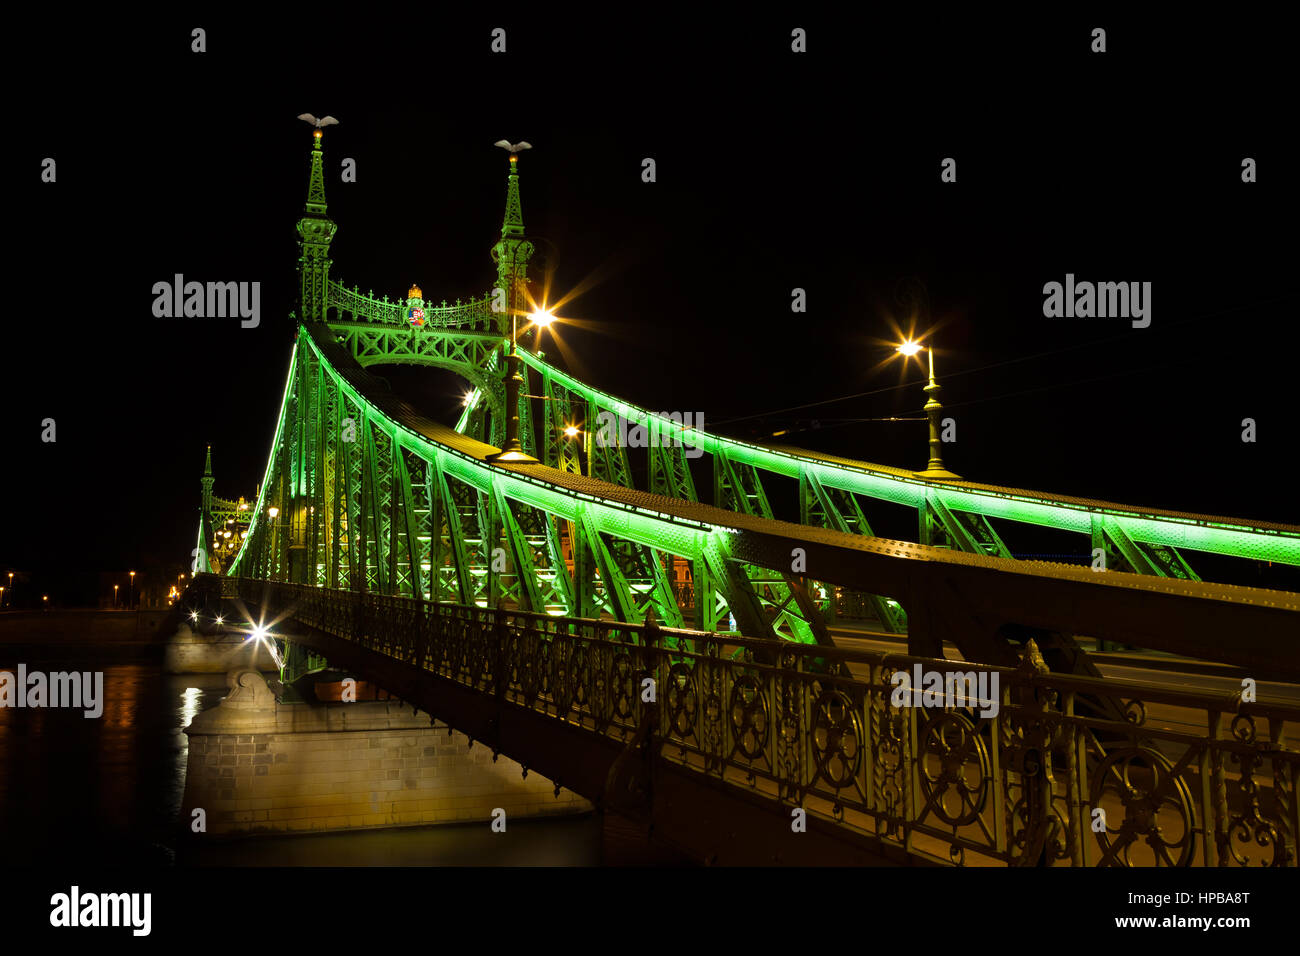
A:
x: 109, y: 790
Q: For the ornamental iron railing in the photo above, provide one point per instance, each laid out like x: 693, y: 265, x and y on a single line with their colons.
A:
x: 352, y: 305
x: 1186, y: 779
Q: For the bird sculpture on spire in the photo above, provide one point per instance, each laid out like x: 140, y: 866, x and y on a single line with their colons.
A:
x: 318, y: 123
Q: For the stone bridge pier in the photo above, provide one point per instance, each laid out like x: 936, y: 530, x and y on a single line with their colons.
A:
x: 258, y: 765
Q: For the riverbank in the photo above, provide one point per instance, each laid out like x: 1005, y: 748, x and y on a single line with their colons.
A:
x: 68, y: 633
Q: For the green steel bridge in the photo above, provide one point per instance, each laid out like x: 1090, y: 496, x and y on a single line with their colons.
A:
x: 529, y: 598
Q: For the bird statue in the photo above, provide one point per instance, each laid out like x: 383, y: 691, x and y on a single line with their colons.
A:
x: 513, y: 147
x: 318, y: 123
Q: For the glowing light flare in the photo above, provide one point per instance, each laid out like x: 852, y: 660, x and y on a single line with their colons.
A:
x: 909, y: 348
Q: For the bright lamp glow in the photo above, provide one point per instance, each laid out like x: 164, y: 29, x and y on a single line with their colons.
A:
x: 909, y: 348
x: 542, y: 318
x: 571, y: 430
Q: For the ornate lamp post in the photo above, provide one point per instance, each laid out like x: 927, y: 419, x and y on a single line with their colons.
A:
x: 934, y: 468
x: 512, y: 452
x: 512, y: 253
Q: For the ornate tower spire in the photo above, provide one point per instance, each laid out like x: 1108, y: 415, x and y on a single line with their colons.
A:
x: 512, y: 251
x: 315, y: 230
x: 207, y: 482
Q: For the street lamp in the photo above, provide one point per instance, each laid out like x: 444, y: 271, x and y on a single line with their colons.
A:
x: 512, y: 452
x: 132, y: 604
x: 115, y: 587
x: 935, y: 468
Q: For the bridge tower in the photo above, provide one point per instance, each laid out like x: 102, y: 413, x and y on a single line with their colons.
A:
x: 207, y: 481
x: 315, y: 230
x: 512, y: 252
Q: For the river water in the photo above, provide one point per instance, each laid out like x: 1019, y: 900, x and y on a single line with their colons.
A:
x: 107, y: 791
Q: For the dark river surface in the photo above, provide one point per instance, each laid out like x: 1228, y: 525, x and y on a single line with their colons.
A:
x: 107, y: 791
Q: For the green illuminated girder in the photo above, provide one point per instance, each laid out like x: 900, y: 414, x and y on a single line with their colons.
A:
x: 1125, y: 554
x: 474, y: 419
x: 608, y: 459
x: 527, y: 434
x: 559, y: 450
x: 839, y: 509
x: 469, y: 547
x: 670, y: 474
x: 788, y: 610
x: 959, y: 530
x: 403, y: 512
x: 537, y: 554
x: 454, y: 576
x: 209, y: 560
x: 1231, y: 537
x: 467, y: 351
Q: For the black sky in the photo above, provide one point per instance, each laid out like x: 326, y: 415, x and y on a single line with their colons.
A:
x: 775, y: 171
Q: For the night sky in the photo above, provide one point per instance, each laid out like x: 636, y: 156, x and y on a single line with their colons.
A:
x: 775, y: 171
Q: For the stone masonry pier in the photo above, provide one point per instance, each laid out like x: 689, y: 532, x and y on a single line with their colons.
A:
x: 256, y: 765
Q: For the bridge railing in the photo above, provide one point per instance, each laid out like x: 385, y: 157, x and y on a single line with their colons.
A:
x: 353, y: 306
x: 1001, y: 766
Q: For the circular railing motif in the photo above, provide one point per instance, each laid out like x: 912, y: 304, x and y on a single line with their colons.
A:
x: 683, y: 700
x: 955, y: 768
x: 837, y: 738
x: 1153, y: 804
x: 749, y: 716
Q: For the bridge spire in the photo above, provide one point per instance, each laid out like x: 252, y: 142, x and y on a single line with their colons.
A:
x: 315, y: 230
x: 512, y: 251
x: 206, y: 481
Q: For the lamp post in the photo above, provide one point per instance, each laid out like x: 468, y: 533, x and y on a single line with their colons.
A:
x: 934, y: 468
x: 512, y: 452
x: 115, y: 587
x: 132, y: 601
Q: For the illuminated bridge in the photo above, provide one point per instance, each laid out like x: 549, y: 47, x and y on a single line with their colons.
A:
x: 665, y: 650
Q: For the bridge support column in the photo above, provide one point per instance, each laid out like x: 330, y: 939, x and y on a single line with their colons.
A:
x: 256, y: 765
